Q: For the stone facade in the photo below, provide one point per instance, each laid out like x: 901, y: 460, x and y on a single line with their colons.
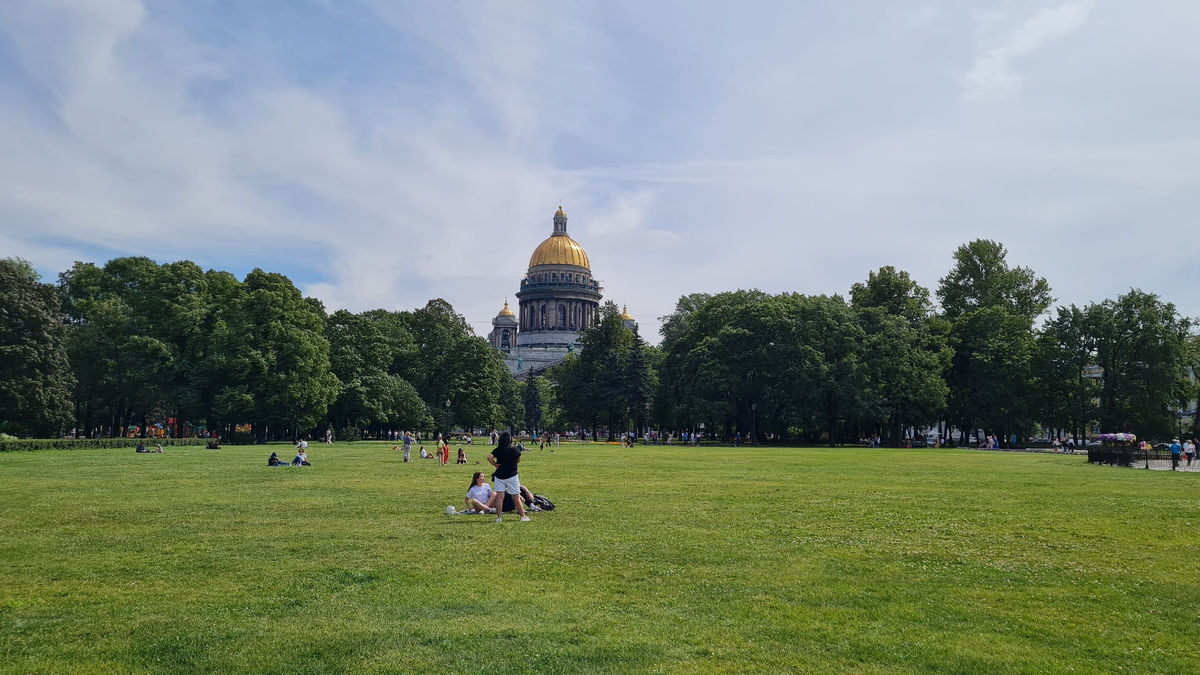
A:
x: 558, y: 299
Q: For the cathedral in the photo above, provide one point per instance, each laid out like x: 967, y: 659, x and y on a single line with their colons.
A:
x: 558, y: 299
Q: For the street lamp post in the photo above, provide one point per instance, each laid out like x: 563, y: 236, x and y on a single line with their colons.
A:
x: 449, y: 420
x: 754, y: 424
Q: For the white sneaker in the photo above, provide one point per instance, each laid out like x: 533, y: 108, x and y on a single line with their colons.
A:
x: 499, y: 519
x: 524, y: 519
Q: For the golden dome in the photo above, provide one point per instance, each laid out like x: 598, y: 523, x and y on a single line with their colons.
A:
x: 560, y: 212
x: 559, y: 249
x: 625, y: 313
x: 506, y: 311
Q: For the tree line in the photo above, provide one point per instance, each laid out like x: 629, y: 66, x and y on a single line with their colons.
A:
x: 887, y: 362
x: 134, y: 342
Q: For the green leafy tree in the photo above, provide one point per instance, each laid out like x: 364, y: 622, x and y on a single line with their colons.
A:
x: 593, y: 386
x: 895, y: 293
x: 512, y: 408
x: 605, y: 360
x: 991, y: 307
x: 365, y: 350
x: 832, y: 377
x: 675, y: 324
x: 453, y: 364
x: 991, y: 372
x: 905, y: 349
x: 35, y: 375
x: 1192, y: 386
x: 1141, y: 350
x: 982, y: 278
x: 674, y: 407
x: 712, y: 367
x: 533, y: 403
x: 749, y: 362
x: 213, y: 373
x: 279, y: 357
x: 574, y: 395
x: 121, y: 341
x: 1064, y: 390
x: 641, y: 380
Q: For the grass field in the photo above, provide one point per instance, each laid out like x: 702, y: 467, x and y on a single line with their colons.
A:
x: 657, y: 559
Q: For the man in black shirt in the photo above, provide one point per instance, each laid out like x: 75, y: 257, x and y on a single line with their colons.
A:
x: 505, y: 458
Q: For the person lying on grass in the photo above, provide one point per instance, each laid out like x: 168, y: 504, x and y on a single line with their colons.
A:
x: 510, y: 503
x: 427, y: 455
x: 479, y: 494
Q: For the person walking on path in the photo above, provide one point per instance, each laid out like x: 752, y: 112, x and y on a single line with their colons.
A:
x: 506, y: 481
x: 1175, y: 449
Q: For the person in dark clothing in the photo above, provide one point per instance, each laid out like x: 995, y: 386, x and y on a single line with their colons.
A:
x: 274, y: 460
x: 510, y: 501
x: 505, y: 458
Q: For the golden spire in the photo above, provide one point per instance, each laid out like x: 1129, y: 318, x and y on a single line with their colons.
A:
x: 560, y: 212
x: 625, y: 313
x: 506, y: 311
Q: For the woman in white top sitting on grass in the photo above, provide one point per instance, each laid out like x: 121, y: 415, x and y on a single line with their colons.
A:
x: 479, y: 494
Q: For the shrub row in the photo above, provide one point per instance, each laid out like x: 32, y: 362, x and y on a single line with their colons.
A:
x: 93, y: 443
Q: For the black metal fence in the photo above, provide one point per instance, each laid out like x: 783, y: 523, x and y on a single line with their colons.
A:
x: 1159, y: 459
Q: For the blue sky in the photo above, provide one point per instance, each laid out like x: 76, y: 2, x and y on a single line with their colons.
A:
x: 383, y: 153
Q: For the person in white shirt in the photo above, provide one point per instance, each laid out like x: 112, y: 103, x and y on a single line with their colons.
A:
x: 479, y: 495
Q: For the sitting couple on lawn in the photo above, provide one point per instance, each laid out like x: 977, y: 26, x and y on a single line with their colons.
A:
x: 480, y: 496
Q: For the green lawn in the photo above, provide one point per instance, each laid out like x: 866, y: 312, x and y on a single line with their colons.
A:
x: 671, y: 559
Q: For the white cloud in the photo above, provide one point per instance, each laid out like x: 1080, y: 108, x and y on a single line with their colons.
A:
x: 992, y: 74
x: 726, y: 152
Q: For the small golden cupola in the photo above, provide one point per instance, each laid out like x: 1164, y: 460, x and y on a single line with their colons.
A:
x: 504, y: 329
x: 627, y: 318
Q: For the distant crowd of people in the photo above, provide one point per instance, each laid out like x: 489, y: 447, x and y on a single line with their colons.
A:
x: 440, y: 452
x: 1067, y: 445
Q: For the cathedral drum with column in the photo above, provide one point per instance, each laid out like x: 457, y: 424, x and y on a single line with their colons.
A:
x: 558, y: 300
x: 558, y: 297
